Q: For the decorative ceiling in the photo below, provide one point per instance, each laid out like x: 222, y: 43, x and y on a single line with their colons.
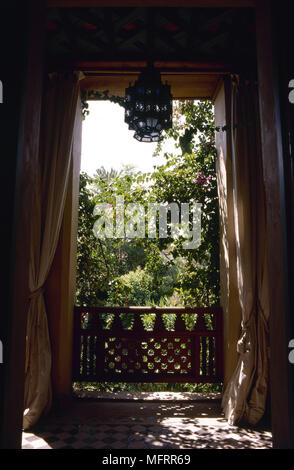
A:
x: 167, y: 34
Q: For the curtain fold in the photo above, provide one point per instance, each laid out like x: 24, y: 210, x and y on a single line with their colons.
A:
x: 246, y: 393
x: 60, y: 107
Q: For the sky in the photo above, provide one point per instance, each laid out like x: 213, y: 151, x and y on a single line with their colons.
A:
x: 107, y: 141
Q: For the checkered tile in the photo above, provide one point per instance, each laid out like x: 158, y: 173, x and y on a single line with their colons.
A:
x: 149, y: 432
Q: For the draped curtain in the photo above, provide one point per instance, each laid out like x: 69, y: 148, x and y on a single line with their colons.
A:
x: 246, y: 393
x: 61, y: 103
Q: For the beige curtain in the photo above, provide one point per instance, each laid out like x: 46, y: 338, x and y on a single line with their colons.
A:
x: 61, y: 104
x: 246, y: 393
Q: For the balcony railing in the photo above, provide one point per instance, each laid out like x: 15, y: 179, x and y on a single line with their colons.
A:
x: 148, y: 344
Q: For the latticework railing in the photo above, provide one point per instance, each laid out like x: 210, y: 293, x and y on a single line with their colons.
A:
x: 147, y: 344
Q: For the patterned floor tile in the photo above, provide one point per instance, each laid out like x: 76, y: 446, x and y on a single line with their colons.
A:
x: 156, y: 428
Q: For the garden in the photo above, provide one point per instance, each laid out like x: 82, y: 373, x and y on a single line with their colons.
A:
x: 121, y: 271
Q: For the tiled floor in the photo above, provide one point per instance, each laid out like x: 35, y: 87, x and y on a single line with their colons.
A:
x: 142, y: 425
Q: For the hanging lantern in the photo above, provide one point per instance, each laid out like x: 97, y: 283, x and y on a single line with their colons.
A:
x: 148, y: 106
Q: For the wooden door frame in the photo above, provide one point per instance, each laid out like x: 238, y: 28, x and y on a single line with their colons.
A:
x: 150, y: 3
x: 275, y: 200
x: 22, y: 98
x: 273, y: 154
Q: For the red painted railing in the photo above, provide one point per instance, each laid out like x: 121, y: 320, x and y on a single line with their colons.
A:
x: 148, y: 344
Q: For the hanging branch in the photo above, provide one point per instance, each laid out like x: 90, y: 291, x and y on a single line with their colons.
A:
x: 97, y: 95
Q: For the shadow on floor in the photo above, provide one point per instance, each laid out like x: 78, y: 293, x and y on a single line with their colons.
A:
x: 85, y: 424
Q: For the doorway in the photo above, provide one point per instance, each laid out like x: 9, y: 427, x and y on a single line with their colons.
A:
x: 134, y: 284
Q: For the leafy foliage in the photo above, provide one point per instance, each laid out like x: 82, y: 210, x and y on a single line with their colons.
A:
x: 192, y: 176
x: 160, y: 271
x: 99, y: 262
x: 145, y: 271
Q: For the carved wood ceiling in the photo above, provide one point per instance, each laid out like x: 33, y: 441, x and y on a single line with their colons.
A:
x: 168, y: 34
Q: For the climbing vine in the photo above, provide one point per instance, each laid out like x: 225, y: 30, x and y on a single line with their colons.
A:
x: 97, y: 95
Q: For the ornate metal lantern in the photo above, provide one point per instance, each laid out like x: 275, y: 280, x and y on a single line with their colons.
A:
x: 148, y: 106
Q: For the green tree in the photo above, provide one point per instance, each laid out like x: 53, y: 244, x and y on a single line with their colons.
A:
x: 99, y: 261
x: 188, y: 175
